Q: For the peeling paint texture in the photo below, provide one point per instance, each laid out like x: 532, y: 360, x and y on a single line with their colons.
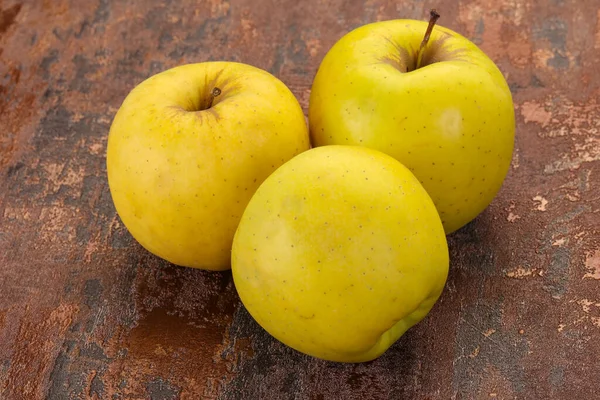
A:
x: 86, y: 313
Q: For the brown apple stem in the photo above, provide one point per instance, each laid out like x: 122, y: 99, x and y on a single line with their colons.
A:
x: 214, y: 93
x: 434, y: 16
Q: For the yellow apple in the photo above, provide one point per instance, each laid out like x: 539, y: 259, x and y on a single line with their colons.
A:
x: 188, y: 148
x: 445, y: 111
x: 339, y: 252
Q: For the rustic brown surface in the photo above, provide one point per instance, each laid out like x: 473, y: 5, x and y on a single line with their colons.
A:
x: 86, y: 313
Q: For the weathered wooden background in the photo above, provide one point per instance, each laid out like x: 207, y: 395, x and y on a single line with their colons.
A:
x: 85, y: 312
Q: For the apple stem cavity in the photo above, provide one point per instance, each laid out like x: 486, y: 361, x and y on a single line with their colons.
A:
x: 433, y: 17
x: 213, y: 94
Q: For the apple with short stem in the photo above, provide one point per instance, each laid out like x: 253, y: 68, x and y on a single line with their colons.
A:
x: 188, y: 148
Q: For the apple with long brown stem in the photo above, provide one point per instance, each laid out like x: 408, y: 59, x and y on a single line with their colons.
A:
x: 437, y: 103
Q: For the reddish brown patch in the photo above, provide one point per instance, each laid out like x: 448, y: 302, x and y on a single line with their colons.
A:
x: 35, y: 351
x: 8, y: 16
x: 171, y: 347
x: 15, y: 112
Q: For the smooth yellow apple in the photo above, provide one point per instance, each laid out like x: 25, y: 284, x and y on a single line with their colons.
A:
x: 339, y: 252
x: 188, y: 148
x: 450, y: 121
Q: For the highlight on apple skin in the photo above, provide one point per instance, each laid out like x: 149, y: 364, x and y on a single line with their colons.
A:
x: 445, y: 111
x: 339, y: 253
x: 188, y: 148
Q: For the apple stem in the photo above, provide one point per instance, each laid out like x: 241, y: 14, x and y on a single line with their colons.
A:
x: 214, y: 93
x: 434, y: 16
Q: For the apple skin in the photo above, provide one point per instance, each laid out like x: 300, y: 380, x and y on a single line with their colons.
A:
x: 339, y: 252
x: 181, y: 173
x: 451, y: 121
